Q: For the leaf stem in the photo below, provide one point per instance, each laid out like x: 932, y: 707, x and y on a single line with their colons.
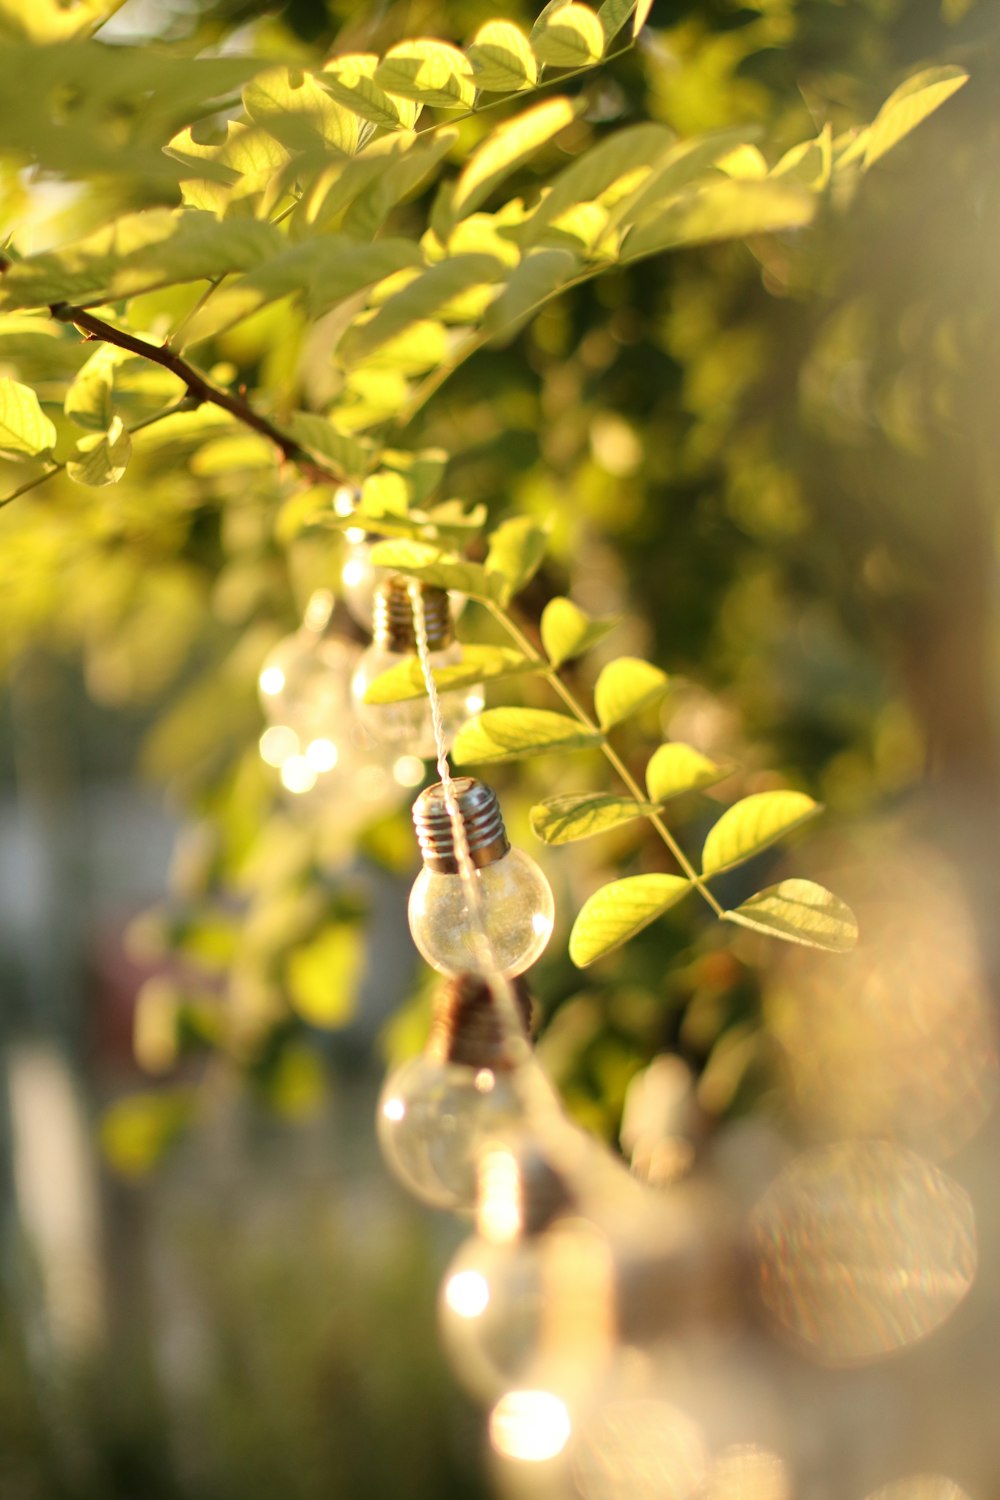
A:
x: 576, y: 708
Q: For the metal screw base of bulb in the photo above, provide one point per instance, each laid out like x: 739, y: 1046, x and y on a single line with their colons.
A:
x: 393, y: 625
x: 466, y: 1027
x: 540, y: 1191
x: 481, y: 818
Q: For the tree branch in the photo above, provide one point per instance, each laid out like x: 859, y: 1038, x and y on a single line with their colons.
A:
x: 199, y: 387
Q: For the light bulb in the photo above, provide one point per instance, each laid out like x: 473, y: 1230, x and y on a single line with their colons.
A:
x: 432, y: 1118
x: 537, y: 1303
x: 515, y: 898
x: 358, y: 574
x: 408, y: 726
x: 305, y: 692
x: 436, y: 1111
x: 360, y: 577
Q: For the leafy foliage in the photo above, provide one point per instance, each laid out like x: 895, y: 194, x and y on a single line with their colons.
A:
x: 317, y: 253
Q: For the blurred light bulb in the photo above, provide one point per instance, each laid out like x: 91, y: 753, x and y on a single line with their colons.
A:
x: 538, y: 1308
x: 305, y: 683
x: 358, y: 574
x: 433, y: 1118
x: 408, y: 726
x: 278, y: 744
x: 297, y: 775
x: 532, y: 1426
x: 408, y: 770
x: 516, y: 899
x: 436, y: 1111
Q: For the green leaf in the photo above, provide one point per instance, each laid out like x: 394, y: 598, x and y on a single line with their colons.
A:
x: 479, y: 664
x: 138, y: 253
x: 501, y: 58
x: 515, y: 553
x: 641, y: 16
x: 677, y: 768
x: 618, y: 158
x: 425, y: 561
x: 511, y: 733
x: 728, y: 210
x: 321, y: 272
x: 323, y: 976
x: 570, y: 37
x: 752, y: 825
x: 909, y: 105
x: 618, y: 911
x: 799, y: 911
x: 88, y: 400
x: 581, y: 815
x: 625, y: 687
x: 422, y: 298
x: 351, y: 81
x: 299, y: 112
x: 102, y: 457
x: 539, y: 276
x: 350, y: 455
x: 412, y: 160
x: 24, y: 427
x: 505, y: 149
x: 810, y: 163
x: 612, y: 15
x: 430, y: 72
x: 568, y: 632
x: 542, y: 19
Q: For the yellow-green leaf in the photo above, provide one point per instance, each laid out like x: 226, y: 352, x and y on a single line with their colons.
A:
x: 581, y: 815
x: 540, y: 275
x: 568, y: 632
x: 323, y: 976
x: 430, y: 563
x: 570, y: 37
x: 618, y: 911
x: 504, y: 150
x: 752, y: 825
x: 137, y: 1129
x: 102, y: 457
x: 88, y: 401
x: 641, y: 16
x: 299, y: 112
x: 799, y: 911
x: 909, y: 105
x: 351, y: 81
x: 515, y: 553
x: 478, y: 664
x: 677, y: 768
x: 612, y: 15
x: 726, y: 210
x: 350, y: 455
x: 430, y: 72
x: 24, y: 427
x: 625, y: 687
x: 501, y: 58
x: 422, y: 298
x: 511, y: 733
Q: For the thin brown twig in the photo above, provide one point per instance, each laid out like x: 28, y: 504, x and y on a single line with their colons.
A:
x: 198, y: 385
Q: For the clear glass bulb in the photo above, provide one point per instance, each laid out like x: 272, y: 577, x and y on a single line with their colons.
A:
x: 433, y: 1119
x: 358, y: 575
x: 305, y: 687
x: 509, y: 1312
x: 408, y: 726
x: 517, y: 904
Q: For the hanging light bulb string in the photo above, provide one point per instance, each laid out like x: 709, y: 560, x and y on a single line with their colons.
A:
x: 501, y: 988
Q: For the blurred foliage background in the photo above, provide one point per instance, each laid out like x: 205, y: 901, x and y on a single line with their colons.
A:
x: 777, y: 461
